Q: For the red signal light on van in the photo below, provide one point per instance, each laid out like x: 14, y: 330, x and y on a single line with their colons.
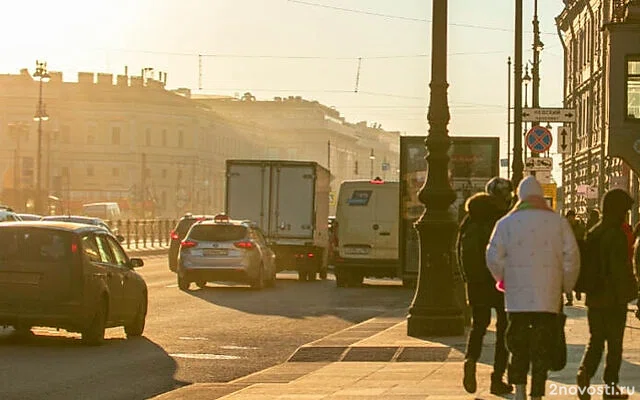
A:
x: 376, y: 181
x: 174, y: 235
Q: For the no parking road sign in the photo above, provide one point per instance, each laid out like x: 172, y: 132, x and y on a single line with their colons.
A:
x: 538, y: 139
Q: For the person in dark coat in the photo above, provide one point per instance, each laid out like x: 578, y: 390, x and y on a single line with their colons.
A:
x: 607, y: 308
x: 483, y: 210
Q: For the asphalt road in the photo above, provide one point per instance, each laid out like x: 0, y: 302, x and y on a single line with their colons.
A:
x: 214, y: 334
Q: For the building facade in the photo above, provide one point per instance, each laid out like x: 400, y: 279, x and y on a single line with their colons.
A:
x: 159, y: 152
x: 601, y: 40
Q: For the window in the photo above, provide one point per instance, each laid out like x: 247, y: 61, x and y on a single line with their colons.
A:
x: 64, y: 134
x: 164, y: 137
x: 34, y: 245
x: 115, y: 135
x: 90, y: 249
x: 180, y: 139
x: 91, y: 134
x: 218, y: 233
x: 103, y: 248
x: 359, y: 198
x: 90, y: 171
x: 164, y: 174
x: 633, y: 88
x: 118, y: 253
x: 115, y: 172
x: 147, y: 137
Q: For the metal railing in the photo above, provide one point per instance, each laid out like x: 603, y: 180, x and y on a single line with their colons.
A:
x: 142, y: 233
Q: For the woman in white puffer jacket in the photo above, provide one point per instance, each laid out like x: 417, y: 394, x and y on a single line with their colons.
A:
x: 534, y: 253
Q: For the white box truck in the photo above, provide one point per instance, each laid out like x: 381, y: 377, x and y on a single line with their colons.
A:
x: 289, y: 201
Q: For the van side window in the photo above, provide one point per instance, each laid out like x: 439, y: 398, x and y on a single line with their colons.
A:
x: 105, y: 251
x: 359, y: 198
x: 90, y: 248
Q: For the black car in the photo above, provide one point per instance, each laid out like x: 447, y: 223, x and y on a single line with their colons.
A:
x: 178, y: 234
x: 70, y: 276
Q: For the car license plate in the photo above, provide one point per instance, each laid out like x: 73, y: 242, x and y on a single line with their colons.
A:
x: 356, y: 250
x: 215, y: 252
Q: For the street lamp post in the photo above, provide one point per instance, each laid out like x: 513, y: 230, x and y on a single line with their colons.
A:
x: 41, y: 115
x: 372, y: 157
x: 526, y: 79
x: 517, y: 168
x: 434, y: 310
x: 535, y: 67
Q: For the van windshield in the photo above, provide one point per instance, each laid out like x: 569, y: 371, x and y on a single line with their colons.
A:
x: 34, y: 245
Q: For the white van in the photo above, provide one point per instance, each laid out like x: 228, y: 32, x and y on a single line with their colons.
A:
x: 367, y: 219
x: 108, y: 211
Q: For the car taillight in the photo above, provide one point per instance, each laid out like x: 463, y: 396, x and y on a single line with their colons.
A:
x: 310, y: 255
x: 74, y: 247
x: 244, y: 245
x: 174, y: 235
x: 185, y: 244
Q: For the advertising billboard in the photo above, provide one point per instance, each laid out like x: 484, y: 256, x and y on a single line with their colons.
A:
x: 473, y: 161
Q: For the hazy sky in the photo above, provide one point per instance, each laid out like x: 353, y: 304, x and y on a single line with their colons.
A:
x: 304, y: 48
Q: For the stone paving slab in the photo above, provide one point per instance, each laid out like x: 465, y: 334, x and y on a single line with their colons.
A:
x: 437, y: 374
x: 391, y: 381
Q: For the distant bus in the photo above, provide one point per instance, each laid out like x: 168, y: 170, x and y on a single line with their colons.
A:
x: 107, y: 210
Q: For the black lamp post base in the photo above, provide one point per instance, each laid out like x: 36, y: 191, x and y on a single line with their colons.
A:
x: 435, y: 322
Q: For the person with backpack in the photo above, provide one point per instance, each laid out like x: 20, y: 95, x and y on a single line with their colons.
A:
x: 609, y: 282
x: 534, y: 256
x: 482, y: 211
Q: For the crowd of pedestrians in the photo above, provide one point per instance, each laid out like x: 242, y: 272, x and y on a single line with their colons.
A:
x: 498, y: 250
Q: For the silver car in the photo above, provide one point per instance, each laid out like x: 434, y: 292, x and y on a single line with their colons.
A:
x: 225, y: 250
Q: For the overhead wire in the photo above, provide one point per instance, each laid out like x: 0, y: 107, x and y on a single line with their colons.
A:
x: 400, y: 17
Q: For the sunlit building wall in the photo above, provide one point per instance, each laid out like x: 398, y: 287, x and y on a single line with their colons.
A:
x: 601, y: 40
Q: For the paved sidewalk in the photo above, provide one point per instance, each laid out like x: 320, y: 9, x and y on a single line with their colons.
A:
x: 376, y: 359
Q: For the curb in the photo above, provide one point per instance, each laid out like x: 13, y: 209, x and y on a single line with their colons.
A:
x: 146, y: 252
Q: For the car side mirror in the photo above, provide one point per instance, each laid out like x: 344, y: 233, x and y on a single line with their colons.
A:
x: 136, y: 262
x: 120, y: 238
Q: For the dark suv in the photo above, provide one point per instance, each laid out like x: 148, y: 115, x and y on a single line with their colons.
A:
x: 178, y: 233
x: 70, y: 276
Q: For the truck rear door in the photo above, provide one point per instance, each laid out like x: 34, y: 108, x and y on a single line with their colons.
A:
x: 292, y: 200
x: 248, y: 192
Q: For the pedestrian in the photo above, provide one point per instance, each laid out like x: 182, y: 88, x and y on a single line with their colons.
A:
x: 579, y: 232
x: 592, y: 219
x: 482, y: 211
x: 607, y: 308
x: 534, y: 256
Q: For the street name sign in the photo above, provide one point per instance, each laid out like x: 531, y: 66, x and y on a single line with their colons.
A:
x: 564, y: 140
x: 548, y: 115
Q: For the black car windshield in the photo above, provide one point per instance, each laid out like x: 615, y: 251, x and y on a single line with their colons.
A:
x: 218, y: 233
x: 34, y: 245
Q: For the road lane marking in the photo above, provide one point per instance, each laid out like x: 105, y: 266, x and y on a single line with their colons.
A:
x: 205, y: 356
x: 192, y: 338
x: 238, y: 348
